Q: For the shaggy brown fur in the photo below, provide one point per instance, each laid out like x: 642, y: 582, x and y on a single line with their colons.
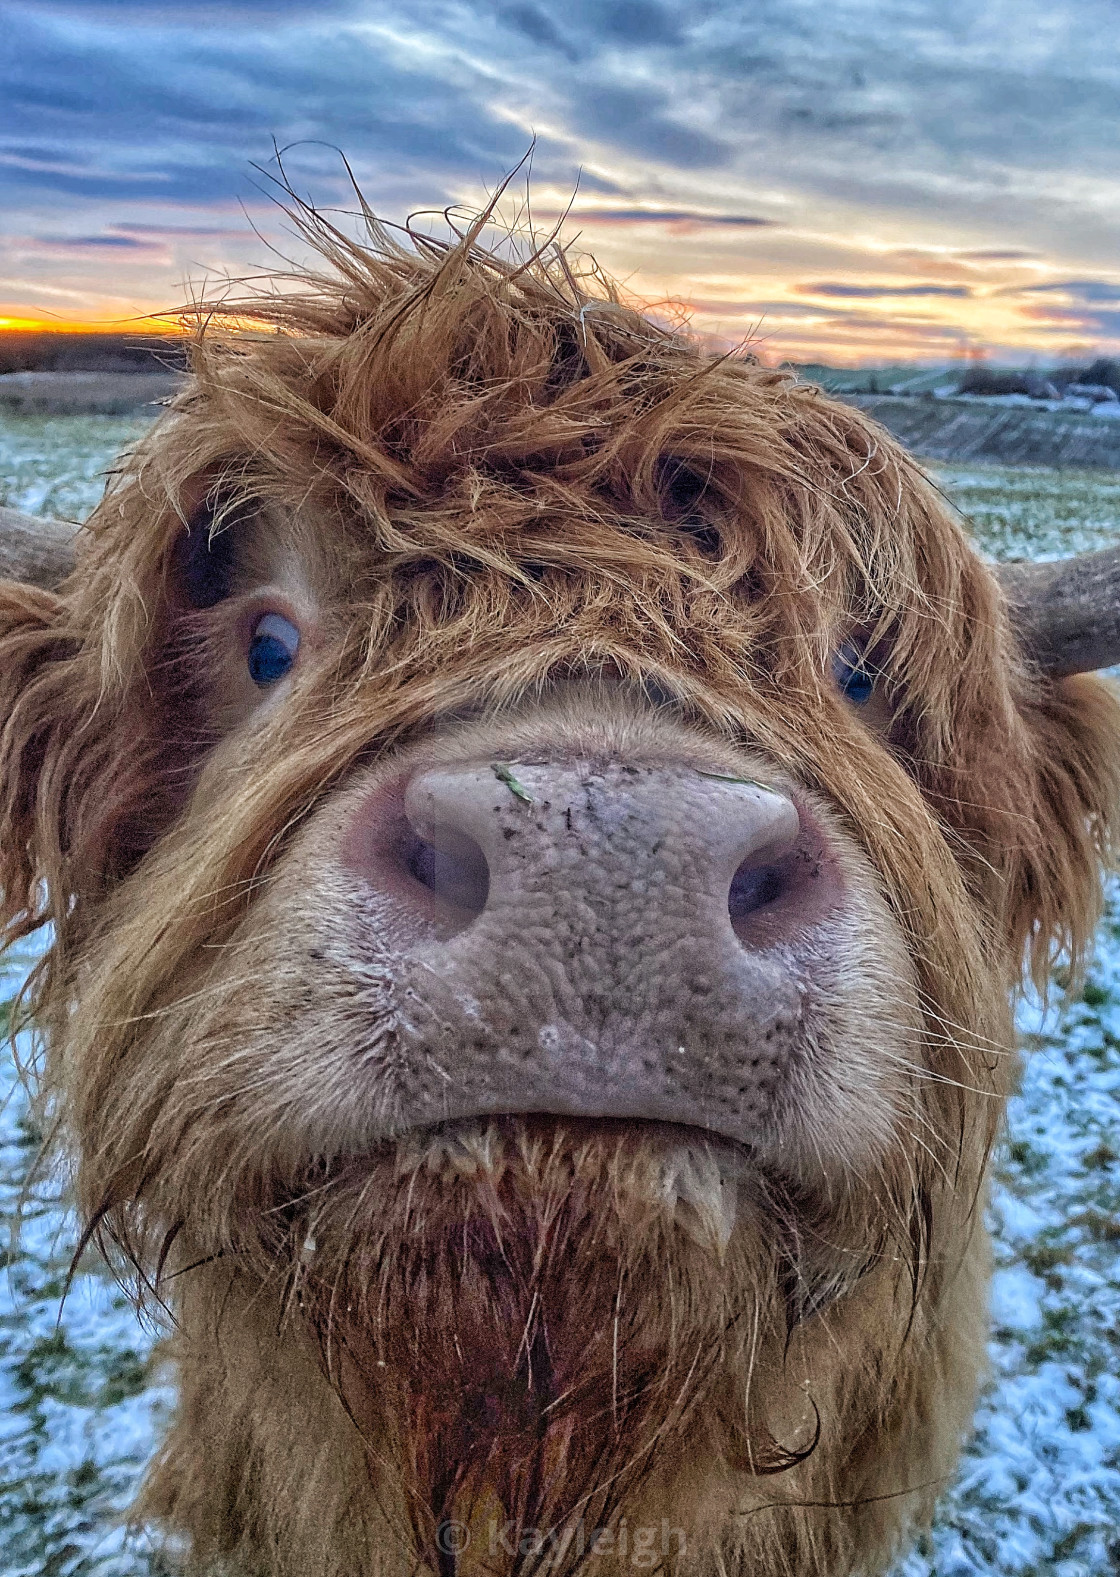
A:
x: 507, y: 485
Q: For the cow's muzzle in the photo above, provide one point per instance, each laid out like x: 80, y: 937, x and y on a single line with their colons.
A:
x: 597, y: 940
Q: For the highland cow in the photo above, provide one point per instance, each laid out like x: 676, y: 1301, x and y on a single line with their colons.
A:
x: 541, y: 827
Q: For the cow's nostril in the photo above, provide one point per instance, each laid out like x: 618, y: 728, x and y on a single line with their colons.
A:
x: 753, y: 887
x: 454, y: 869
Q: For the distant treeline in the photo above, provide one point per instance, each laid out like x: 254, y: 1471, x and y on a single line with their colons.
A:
x: 1102, y: 373
x: 27, y: 351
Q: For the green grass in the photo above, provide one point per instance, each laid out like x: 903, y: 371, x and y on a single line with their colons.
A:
x: 1034, y: 512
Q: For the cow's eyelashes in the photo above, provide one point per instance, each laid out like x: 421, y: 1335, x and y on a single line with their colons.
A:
x: 273, y: 647
x: 854, y: 679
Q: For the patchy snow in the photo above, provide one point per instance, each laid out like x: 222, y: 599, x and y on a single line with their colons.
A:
x: 1039, y: 1487
x: 80, y: 1402
x: 1034, y: 512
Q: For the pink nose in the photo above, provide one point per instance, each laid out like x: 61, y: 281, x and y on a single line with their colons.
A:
x: 617, y: 845
x: 610, y: 941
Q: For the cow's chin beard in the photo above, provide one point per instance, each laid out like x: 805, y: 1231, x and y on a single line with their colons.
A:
x: 540, y: 1326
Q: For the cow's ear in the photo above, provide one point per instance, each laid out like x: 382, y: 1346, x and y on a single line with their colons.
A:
x: 38, y: 739
x: 1063, y: 817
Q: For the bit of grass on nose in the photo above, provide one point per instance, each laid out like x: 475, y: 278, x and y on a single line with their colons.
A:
x: 505, y: 775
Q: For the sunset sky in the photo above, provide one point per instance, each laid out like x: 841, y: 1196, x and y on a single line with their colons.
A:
x: 854, y: 181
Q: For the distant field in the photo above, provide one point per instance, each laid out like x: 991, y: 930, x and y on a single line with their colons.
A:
x: 1039, y: 1491
x: 85, y: 393
x: 57, y: 466
x: 985, y: 432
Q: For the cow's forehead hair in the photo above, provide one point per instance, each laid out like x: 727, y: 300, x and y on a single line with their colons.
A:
x: 444, y: 412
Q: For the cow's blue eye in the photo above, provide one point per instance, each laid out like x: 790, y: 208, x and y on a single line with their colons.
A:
x: 853, y: 679
x: 272, y: 650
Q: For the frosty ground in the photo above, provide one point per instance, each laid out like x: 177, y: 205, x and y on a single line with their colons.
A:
x: 1039, y: 1488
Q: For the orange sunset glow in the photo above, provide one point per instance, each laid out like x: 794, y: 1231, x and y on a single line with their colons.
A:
x: 883, y: 303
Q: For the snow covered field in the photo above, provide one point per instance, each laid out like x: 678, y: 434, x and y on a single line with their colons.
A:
x: 1039, y: 1490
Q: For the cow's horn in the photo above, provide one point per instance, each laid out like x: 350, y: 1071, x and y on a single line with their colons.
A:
x: 34, y: 549
x: 1067, y: 614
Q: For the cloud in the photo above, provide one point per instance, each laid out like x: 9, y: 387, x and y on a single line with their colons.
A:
x: 667, y: 216
x: 1088, y: 307
x: 637, y: 22
x: 910, y: 328
x: 87, y: 243
x: 1083, y: 290
x: 588, y: 23
x: 718, y: 307
x: 912, y: 105
x: 998, y: 255
x: 835, y: 288
x: 178, y: 114
x: 1103, y: 323
x: 160, y: 13
x: 638, y: 118
x: 166, y: 232
x: 534, y: 23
